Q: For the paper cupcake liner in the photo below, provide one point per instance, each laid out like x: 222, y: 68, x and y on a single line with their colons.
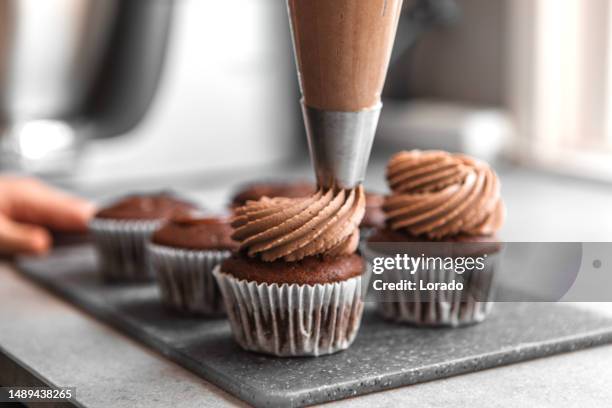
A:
x: 185, y: 278
x: 437, y: 307
x: 121, y: 247
x: 290, y: 319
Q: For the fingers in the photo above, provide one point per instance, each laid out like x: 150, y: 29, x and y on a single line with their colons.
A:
x: 18, y: 238
x: 33, y: 202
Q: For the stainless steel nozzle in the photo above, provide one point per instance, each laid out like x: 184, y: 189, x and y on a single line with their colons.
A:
x: 340, y: 144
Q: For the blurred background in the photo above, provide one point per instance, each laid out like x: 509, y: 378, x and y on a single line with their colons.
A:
x: 109, y: 96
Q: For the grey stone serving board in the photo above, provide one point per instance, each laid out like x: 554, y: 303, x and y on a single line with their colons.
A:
x: 383, y: 356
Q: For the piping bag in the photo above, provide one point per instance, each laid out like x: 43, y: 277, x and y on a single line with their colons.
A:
x: 342, y: 50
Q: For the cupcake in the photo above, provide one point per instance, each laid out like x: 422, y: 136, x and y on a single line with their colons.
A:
x: 295, y: 287
x: 256, y: 191
x: 445, y: 209
x: 121, y: 230
x: 183, y: 253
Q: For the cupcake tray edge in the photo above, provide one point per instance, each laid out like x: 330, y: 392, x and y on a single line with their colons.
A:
x: 384, y: 355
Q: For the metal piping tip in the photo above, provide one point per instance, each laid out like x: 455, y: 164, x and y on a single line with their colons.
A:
x: 340, y: 144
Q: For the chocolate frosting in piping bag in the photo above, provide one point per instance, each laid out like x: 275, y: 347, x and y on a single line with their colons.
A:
x: 342, y: 50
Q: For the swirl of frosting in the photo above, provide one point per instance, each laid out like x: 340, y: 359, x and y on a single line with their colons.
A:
x: 439, y: 194
x: 326, y: 223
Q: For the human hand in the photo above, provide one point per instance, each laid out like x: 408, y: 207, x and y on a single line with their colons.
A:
x: 29, y: 208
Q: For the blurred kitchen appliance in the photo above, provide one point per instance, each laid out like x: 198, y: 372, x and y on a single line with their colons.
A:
x: 72, y: 70
x: 418, y: 17
x: 226, y: 104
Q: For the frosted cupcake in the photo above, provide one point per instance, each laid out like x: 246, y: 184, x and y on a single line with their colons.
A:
x: 295, y: 288
x: 443, y: 207
x: 183, y: 252
x: 121, y: 230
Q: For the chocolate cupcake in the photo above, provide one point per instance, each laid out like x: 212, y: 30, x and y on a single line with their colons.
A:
x: 183, y: 252
x: 256, y: 191
x: 444, y: 208
x: 295, y: 288
x: 121, y: 230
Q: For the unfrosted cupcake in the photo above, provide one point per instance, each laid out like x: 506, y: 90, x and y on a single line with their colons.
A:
x: 295, y: 289
x: 183, y: 253
x: 272, y: 189
x: 443, y: 207
x: 121, y: 230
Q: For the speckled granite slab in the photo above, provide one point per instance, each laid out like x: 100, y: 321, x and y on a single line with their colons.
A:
x: 383, y: 356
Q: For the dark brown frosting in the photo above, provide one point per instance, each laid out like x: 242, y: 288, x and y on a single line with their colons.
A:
x: 438, y: 194
x: 256, y: 191
x: 192, y: 232
x: 326, y: 223
x: 308, y: 271
x: 146, y: 207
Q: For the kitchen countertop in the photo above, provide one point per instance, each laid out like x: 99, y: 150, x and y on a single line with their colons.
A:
x: 69, y: 348
x: 52, y: 340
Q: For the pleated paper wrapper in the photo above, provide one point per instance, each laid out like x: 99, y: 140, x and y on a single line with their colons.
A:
x: 185, y: 278
x: 434, y: 308
x: 121, y: 248
x: 290, y: 319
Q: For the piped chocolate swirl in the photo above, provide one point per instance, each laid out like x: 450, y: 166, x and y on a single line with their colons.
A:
x: 326, y: 223
x: 439, y: 195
